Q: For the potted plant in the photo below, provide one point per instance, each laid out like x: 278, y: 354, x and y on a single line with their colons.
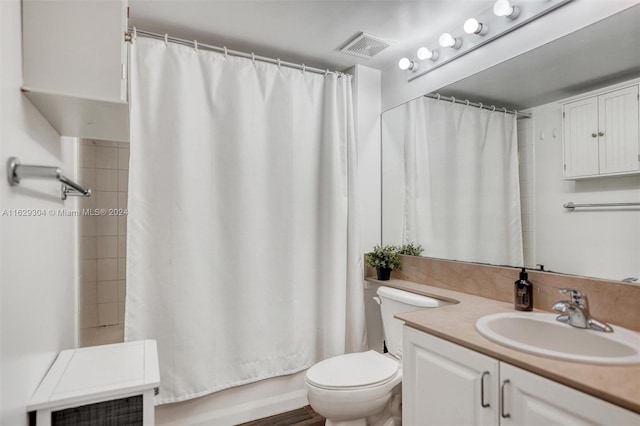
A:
x: 384, y: 259
x: 411, y: 249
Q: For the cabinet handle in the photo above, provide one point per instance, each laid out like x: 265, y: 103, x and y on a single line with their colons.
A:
x: 600, y: 133
x: 486, y: 373
x: 502, y: 413
x: 594, y: 135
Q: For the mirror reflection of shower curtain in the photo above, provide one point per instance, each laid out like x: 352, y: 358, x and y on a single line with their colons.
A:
x: 243, y: 255
x: 462, y: 192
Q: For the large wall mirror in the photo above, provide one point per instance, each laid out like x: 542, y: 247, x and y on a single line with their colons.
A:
x: 602, y: 242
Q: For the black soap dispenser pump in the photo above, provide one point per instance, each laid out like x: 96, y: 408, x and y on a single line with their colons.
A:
x: 523, y: 292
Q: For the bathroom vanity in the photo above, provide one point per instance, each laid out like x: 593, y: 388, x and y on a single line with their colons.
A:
x: 454, y: 375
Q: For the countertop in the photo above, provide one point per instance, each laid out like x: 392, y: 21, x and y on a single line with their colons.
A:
x: 618, y: 384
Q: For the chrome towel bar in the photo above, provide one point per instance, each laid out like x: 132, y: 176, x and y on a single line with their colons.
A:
x: 571, y: 206
x: 17, y: 172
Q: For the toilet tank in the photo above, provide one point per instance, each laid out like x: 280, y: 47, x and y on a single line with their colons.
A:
x: 393, y: 302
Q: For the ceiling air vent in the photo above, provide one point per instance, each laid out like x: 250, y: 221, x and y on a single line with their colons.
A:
x: 365, y: 46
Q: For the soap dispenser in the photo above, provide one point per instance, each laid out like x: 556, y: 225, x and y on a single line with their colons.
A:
x: 523, y: 292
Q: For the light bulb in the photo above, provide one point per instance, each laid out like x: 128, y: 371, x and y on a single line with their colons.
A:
x: 504, y: 8
x: 407, y: 64
x: 447, y: 40
x: 472, y: 26
x: 424, y: 54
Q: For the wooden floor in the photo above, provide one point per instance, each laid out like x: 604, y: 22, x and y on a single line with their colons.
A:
x: 304, y: 416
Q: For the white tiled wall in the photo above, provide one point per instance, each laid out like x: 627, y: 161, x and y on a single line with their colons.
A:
x: 527, y: 178
x: 103, y: 168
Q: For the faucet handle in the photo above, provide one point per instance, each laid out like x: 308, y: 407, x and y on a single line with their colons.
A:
x: 577, y: 296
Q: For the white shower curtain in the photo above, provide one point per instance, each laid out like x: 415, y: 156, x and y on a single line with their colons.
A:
x: 462, y: 197
x: 242, y: 255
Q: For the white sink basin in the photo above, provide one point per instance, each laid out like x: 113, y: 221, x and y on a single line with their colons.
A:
x: 541, y: 334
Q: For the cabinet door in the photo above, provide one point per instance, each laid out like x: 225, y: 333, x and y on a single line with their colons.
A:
x: 446, y: 384
x: 618, y: 131
x: 533, y: 400
x: 580, y: 127
x: 75, y: 48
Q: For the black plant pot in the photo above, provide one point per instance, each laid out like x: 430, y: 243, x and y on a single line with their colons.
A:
x: 384, y: 273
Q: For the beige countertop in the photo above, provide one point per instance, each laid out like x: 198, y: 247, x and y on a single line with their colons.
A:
x: 619, y: 385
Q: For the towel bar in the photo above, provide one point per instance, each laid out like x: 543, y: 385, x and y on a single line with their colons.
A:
x: 17, y: 172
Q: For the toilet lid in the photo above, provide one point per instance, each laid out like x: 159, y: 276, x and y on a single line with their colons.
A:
x: 352, y: 370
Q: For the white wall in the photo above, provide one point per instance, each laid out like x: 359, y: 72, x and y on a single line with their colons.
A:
x: 37, y: 254
x: 571, y: 17
x: 602, y: 243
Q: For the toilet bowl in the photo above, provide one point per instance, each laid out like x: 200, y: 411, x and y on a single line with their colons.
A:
x: 364, y: 388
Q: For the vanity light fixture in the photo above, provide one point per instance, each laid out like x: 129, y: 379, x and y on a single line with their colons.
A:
x: 408, y: 64
x: 447, y: 40
x: 425, y: 53
x: 483, y: 28
x: 473, y: 26
x: 504, y: 8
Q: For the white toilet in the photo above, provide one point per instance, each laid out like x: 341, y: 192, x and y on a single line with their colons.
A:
x: 364, y: 388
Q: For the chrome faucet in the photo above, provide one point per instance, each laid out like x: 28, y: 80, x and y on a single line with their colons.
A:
x: 576, y: 312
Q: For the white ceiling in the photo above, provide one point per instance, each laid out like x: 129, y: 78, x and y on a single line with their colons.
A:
x: 305, y: 31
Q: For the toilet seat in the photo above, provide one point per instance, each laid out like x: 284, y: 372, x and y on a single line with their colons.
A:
x: 353, y: 371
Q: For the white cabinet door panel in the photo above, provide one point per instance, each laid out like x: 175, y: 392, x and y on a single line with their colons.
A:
x: 531, y: 400
x: 446, y: 384
x: 618, y: 131
x: 580, y: 126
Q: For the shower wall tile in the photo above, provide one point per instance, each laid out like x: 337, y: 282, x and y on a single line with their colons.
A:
x: 107, y: 225
x: 106, y: 158
x: 123, y: 159
x: 106, y: 180
x: 107, y: 291
x: 107, y: 314
x: 88, y: 316
x: 107, y: 269
x: 122, y: 291
x: 107, y: 247
x: 123, y: 180
x: 103, y: 168
x: 88, y: 293
x: 88, y: 271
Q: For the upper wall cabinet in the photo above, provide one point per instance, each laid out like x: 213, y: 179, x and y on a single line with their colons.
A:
x: 601, y: 133
x: 75, y: 65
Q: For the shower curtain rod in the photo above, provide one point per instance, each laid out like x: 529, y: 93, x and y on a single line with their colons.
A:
x: 439, y: 97
x: 134, y: 32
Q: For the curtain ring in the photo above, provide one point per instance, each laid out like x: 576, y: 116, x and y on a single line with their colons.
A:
x: 493, y: 108
x: 304, y: 68
x: 505, y: 110
x: 438, y: 96
x: 135, y: 33
x: 253, y: 58
x: 326, y: 73
x: 467, y: 100
x: 515, y: 112
x: 279, y: 63
x: 226, y: 52
x: 195, y: 45
x: 166, y: 39
x: 453, y: 99
x: 480, y: 105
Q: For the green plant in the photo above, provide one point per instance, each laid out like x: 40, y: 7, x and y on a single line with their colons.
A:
x: 411, y: 249
x: 384, y: 257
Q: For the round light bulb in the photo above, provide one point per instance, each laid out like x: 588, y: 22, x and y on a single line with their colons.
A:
x: 472, y: 26
x: 404, y: 64
x: 447, y: 40
x: 503, y: 8
x: 424, y: 54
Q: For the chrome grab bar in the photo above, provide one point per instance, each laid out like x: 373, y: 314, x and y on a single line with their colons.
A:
x: 16, y: 172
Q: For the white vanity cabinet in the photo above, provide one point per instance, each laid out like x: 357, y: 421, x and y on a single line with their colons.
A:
x: 447, y: 384
x: 75, y: 65
x: 601, y: 134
